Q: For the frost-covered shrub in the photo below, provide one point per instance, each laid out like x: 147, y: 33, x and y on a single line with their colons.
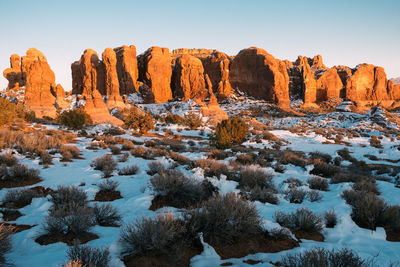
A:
x: 330, y: 218
x: 74, y: 118
x: 314, y: 195
x: 20, y: 173
x: 318, y: 183
x: 129, y: 170
x: 323, y: 257
x: 89, y: 256
x: 295, y: 195
x: 68, y: 195
x: 229, y: 132
x: 180, y: 189
x: 324, y: 169
x: 224, y: 220
x: 115, y: 150
x: 302, y: 219
x: 155, y: 166
x: 108, y: 185
x: 5, y: 241
x: 251, y: 177
x: 160, y: 236
x: 290, y: 157
x: 105, y: 163
x: 106, y: 214
x: 8, y: 159
x: 18, y: 198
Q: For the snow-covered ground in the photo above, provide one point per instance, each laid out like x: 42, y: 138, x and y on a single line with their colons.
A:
x: 137, y: 195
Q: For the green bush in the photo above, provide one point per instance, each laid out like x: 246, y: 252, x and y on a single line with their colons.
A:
x: 229, y: 132
x: 74, y: 118
x: 139, y: 121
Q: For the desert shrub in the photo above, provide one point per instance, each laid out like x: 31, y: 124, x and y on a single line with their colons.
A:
x: 105, y: 163
x: 68, y: 151
x: 106, y: 214
x: 345, y: 154
x: 292, y: 182
x: 123, y: 157
x: 375, y: 142
x: 318, y: 183
x: 314, y: 195
x: 246, y: 159
x: 115, y: 150
x: 295, y: 195
x: 218, y: 154
x: 181, y: 159
x: 324, y: 169
x: 322, y: 156
x: 261, y: 194
x: 8, y: 112
x: 280, y: 233
x: 182, y: 190
x: 127, y: 145
x: 129, y: 170
x: 18, y: 198
x: 70, y: 218
x: 174, y: 118
x: 212, y: 168
x: 88, y: 256
x: 254, y: 177
x: 323, y: 257
x: 113, y: 130
x: 108, y: 185
x: 5, y: 241
x: 68, y: 195
x: 8, y: 159
x: 330, y: 218
x: 74, y: 118
x: 193, y: 120
x: 302, y: 219
x: 45, y: 158
x: 366, y: 186
x: 137, y: 120
x: 229, y: 132
x: 19, y: 173
x: 290, y: 157
x: 159, y: 236
x: 224, y: 220
x: 155, y: 167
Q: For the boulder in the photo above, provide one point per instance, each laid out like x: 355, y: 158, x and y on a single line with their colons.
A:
x: 155, y: 72
x: 258, y: 74
x: 114, y: 98
x: 188, y: 79
x: 127, y: 69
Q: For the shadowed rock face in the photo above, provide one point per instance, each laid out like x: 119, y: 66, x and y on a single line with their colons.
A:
x: 155, y: 72
x: 188, y: 79
x: 114, y: 98
x: 258, y: 74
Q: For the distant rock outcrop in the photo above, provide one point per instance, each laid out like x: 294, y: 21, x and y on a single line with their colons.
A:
x: 114, y: 98
x: 155, y: 72
x: 188, y: 79
x: 258, y: 74
x: 127, y: 69
x: 329, y: 85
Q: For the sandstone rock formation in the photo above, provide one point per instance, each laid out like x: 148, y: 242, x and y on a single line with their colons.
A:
x: 329, y: 85
x: 367, y: 83
x: 197, y: 52
x: 216, y: 66
x: 155, y: 72
x: 127, y: 69
x: 212, y: 111
x: 393, y: 90
x: 317, y: 63
x: 258, y: 74
x: 114, y: 98
x: 188, y: 79
x: 14, y: 75
x: 97, y: 109
x: 309, y: 82
x: 59, y: 93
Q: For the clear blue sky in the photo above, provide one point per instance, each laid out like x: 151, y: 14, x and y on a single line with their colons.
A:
x: 344, y: 32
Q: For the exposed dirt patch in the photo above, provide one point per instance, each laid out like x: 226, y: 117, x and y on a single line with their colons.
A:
x: 252, y: 262
x: 19, y: 227
x: 392, y: 236
x: 226, y: 264
x: 67, y: 239
x: 11, y: 183
x: 42, y: 191
x: 251, y: 245
x: 309, y: 236
x: 10, y: 215
x: 107, y: 195
x: 159, y: 261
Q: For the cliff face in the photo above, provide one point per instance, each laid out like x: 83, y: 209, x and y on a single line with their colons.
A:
x: 199, y: 74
